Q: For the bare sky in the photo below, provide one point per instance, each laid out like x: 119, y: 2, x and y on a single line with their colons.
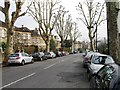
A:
x: 69, y: 5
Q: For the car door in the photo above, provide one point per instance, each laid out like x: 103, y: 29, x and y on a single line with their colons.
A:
x: 99, y: 78
x: 27, y: 58
x: 105, y: 75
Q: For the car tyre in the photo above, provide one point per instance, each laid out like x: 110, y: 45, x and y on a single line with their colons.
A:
x: 23, y: 62
x: 88, y: 76
x: 41, y: 59
x: 32, y: 61
x: 84, y: 66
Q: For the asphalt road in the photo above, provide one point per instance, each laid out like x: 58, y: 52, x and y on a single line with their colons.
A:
x: 61, y: 72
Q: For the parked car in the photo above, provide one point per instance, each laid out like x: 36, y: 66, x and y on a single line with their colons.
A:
x: 50, y: 54
x: 86, y: 59
x: 63, y: 53
x: 107, y: 78
x: 58, y: 54
x: 39, y: 56
x: 20, y: 58
x: 98, y: 61
x: 75, y: 52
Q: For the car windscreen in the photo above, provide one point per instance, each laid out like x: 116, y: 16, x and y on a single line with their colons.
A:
x: 99, y: 59
x: 102, y: 60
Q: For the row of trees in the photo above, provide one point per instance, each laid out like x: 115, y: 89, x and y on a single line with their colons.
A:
x: 44, y: 13
x: 50, y: 15
x: 47, y: 13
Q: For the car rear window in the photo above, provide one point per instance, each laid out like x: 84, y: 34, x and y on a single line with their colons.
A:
x: 47, y: 53
x: 14, y: 55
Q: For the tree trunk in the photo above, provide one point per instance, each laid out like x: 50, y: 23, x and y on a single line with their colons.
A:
x: 119, y: 48
x: 62, y: 42
x: 92, y: 44
x: 47, y: 44
x: 9, y: 47
x: 113, y: 36
x: 72, y: 47
x: 92, y: 48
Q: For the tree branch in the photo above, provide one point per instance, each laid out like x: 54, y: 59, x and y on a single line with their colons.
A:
x: 2, y: 24
x: 100, y: 12
x: 80, y: 6
x: 1, y: 9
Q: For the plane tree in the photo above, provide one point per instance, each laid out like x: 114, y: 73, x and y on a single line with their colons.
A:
x: 92, y: 17
x: 44, y: 12
x: 74, y: 34
x: 62, y: 25
x: 9, y: 22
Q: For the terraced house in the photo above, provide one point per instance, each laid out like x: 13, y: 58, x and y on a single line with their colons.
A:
x: 3, y: 37
x: 37, y: 40
x: 26, y: 39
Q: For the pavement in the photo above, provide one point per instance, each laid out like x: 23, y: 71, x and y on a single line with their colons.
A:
x: 0, y: 64
x: 0, y: 60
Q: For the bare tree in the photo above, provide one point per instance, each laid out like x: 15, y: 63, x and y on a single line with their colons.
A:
x: 9, y: 21
x: 94, y: 17
x: 44, y: 14
x: 74, y: 34
x: 62, y: 25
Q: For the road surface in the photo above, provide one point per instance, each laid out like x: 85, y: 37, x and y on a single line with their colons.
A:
x: 61, y: 72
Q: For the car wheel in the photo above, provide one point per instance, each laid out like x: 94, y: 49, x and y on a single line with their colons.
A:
x: 32, y: 61
x: 23, y: 62
x: 52, y: 57
x: 84, y: 66
x: 41, y: 59
x: 91, y: 85
x: 88, y: 76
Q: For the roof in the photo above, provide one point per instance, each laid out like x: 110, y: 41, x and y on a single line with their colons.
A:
x: 34, y: 33
x: 22, y: 29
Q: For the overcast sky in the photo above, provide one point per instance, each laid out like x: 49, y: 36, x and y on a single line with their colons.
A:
x: 69, y: 5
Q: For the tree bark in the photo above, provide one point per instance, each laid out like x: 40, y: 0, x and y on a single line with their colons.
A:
x: 47, y: 42
x: 9, y: 47
x: 113, y: 36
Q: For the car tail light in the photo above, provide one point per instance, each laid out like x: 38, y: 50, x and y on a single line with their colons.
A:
x: 18, y: 57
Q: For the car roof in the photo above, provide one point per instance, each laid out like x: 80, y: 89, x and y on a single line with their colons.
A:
x: 99, y: 54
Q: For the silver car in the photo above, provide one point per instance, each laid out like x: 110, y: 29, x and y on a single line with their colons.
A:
x: 98, y: 61
x: 20, y: 58
x: 50, y: 54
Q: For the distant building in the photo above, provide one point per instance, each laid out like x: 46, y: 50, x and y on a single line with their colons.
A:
x: 56, y: 39
x: 37, y: 40
x: 78, y: 45
x: 22, y: 37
